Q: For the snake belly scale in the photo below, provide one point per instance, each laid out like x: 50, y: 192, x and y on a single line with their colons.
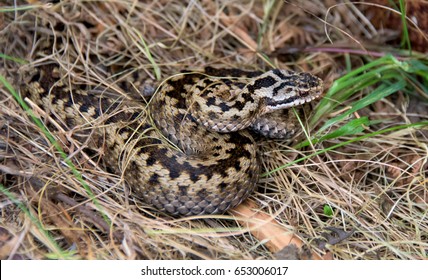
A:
x: 192, y: 153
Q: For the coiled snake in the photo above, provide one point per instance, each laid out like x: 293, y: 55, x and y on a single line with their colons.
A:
x: 192, y: 154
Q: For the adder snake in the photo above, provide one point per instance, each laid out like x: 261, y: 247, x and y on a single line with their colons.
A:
x: 192, y: 154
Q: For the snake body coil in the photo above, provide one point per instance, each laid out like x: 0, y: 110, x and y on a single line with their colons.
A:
x: 192, y: 154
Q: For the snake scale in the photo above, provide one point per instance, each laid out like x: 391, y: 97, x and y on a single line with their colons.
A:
x: 192, y: 153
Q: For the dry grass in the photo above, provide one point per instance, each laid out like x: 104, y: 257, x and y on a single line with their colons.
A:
x: 376, y: 187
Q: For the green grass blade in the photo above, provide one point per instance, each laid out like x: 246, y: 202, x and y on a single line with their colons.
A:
x: 381, y: 92
x: 146, y: 51
x: 355, y: 81
x: 405, y: 39
x: 391, y: 74
x: 14, y: 59
x: 354, y: 126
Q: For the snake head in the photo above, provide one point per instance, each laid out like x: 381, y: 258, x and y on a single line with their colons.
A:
x: 284, y: 89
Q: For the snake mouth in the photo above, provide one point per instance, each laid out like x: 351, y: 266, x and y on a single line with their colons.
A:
x: 297, y: 99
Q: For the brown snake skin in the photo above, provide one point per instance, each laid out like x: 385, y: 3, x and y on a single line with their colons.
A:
x: 192, y: 154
